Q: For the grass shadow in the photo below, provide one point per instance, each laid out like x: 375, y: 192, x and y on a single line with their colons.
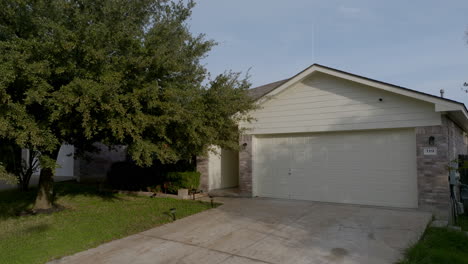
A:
x: 169, y: 215
x: 463, y: 222
x: 37, y: 228
x: 13, y: 202
x: 72, y: 189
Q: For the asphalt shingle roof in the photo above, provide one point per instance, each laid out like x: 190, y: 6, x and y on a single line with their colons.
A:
x: 260, y: 91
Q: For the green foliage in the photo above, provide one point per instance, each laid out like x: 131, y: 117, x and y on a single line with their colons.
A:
x: 10, y: 162
x: 10, y: 156
x: 113, y: 71
x: 183, y: 180
x: 128, y: 176
x: 6, y: 176
x: 157, y: 189
x: 47, y: 162
x: 439, y: 245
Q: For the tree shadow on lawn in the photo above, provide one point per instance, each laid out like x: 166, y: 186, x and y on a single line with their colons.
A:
x: 72, y: 189
x: 39, y: 228
x: 14, y: 202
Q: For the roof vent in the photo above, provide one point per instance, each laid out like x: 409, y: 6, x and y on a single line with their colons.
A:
x: 442, y: 93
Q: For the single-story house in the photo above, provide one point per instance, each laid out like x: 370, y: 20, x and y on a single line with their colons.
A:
x: 332, y: 136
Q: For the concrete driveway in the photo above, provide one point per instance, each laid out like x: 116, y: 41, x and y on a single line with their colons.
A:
x: 247, y: 231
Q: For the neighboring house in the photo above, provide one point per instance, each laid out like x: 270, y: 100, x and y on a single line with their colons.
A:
x: 95, y: 167
x: 64, y: 171
x: 92, y: 169
x: 331, y: 136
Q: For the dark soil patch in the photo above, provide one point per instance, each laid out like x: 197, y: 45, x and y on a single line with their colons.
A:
x: 54, y: 209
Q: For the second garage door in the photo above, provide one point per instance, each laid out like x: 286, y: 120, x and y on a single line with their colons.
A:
x: 365, y: 167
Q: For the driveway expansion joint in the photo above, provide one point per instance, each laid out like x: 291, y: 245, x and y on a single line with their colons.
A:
x: 207, y: 248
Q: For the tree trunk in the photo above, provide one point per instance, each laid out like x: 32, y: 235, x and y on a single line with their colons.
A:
x: 45, y: 194
x: 25, y: 178
x: 30, y: 166
x: 23, y: 186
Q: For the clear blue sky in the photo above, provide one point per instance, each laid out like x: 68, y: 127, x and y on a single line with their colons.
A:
x: 418, y: 44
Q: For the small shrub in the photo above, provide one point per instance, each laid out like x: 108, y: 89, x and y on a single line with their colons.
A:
x: 182, y: 180
x: 156, y: 189
x: 128, y: 176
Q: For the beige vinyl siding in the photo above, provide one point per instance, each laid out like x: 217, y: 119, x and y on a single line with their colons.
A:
x: 325, y: 103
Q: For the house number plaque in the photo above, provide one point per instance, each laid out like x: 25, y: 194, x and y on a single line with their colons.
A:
x: 430, y: 151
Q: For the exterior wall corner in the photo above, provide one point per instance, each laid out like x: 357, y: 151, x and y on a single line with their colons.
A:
x: 203, y: 168
x: 245, y: 165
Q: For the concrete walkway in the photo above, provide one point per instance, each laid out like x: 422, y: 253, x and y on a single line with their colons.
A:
x: 247, y: 231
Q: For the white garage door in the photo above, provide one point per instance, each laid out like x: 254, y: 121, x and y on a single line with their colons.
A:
x: 371, y: 167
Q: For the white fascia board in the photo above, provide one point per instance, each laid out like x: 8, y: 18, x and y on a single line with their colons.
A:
x: 459, y: 117
x: 446, y: 108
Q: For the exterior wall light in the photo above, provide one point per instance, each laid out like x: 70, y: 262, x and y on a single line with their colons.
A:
x: 431, y: 141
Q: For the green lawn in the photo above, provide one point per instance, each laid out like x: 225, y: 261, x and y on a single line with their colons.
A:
x: 91, y: 218
x: 439, y: 246
x: 463, y: 222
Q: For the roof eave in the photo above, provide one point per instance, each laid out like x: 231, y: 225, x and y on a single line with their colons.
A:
x: 460, y: 118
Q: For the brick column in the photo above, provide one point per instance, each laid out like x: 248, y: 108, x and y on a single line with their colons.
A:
x: 245, y: 165
x: 203, y: 168
x: 433, y: 185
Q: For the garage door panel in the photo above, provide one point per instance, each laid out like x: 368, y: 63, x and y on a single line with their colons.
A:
x: 274, y: 182
x: 368, y: 167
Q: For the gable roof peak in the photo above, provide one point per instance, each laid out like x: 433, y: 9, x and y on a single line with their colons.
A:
x: 260, y: 91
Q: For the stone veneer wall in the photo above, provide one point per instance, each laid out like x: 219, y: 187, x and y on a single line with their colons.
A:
x: 457, y: 142
x: 245, y: 165
x: 433, y: 185
x: 95, y: 169
x: 203, y: 168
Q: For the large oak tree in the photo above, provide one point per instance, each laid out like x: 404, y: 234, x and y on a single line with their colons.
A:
x: 114, y: 71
